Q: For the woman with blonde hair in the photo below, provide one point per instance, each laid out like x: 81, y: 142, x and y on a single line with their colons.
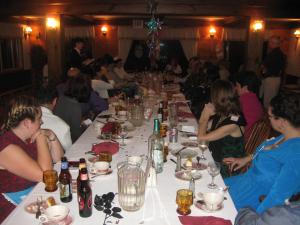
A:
x: 222, y: 124
x: 25, y: 152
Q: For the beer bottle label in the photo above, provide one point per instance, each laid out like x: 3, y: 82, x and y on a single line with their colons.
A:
x: 80, y: 202
x: 64, y: 190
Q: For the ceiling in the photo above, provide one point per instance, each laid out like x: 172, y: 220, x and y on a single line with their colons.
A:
x: 172, y: 12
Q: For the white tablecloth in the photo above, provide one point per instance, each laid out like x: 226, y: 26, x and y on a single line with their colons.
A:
x: 159, y: 207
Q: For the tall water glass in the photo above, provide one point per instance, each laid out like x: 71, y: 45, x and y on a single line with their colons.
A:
x: 213, y: 169
x: 202, y: 144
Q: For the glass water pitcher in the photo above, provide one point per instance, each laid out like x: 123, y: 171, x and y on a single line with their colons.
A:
x: 131, y: 186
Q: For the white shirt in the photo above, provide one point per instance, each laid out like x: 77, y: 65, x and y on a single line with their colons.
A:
x: 58, y: 126
x: 101, y: 87
x: 121, y: 73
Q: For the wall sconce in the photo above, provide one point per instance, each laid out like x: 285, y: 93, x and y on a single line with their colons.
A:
x: 52, y: 23
x: 27, y: 32
x: 212, y: 32
x: 257, y: 25
x: 297, y: 34
x: 104, y: 30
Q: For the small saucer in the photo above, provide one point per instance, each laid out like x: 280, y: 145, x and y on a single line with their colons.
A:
x: 186, y: 175
x: 106, y: 172
x: 190, y: 144
x: 201, y: 205
x: 67, y: 221
x: 32, y: 207
x: 197, y: 166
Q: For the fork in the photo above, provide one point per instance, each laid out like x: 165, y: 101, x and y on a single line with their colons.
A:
x: 38, y: 212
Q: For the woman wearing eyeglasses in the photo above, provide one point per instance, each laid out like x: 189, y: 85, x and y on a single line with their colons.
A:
x: 275, y: 169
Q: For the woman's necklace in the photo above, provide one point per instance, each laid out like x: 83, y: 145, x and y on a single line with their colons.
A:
x: 268, y: 147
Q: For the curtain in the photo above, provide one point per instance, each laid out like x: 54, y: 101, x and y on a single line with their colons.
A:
x: 11, y: 30
x: 124, y: 48
x: 80, y: 31
x: 189, y: 47
x: 233, y: 34
x: 188, y: 38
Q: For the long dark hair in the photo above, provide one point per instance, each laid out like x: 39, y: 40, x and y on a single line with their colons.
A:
x: 224, y: 98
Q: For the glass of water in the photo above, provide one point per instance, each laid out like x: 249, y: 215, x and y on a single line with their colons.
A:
x: 213, y: 169
x: 202, y: 144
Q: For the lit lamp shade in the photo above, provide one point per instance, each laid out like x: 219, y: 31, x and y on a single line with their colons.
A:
x: 212, y: 32
x: 27, y: 31
x: 297, y: 33
x: 104, y: 30
x: 52, y: 23
x: 257, y: 26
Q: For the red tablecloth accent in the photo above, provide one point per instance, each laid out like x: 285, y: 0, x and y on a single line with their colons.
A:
x: 203, y: 220
x: 107, y: 146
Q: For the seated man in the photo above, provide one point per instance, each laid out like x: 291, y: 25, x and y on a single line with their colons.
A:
x: 47, y: 99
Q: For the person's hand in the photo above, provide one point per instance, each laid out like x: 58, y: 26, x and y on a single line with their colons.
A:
x: 235, y: 164
x: 49, y: 134
x: 38, y: 135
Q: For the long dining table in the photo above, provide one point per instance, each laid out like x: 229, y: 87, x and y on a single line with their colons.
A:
x: 159, y: 207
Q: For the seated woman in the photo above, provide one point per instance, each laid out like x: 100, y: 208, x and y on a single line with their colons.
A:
x: 276, y: 162
x: 225, y: 132
x: 25, y: 151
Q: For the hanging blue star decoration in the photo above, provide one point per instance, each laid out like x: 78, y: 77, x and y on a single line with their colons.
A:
x: 154, y: 26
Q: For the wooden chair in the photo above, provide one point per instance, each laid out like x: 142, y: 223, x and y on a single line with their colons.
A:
x: 260, y: 132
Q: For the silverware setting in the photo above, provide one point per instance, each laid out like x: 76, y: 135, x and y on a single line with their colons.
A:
x: 38, y: 203
x: 176, y: 153
x: 176, y: 164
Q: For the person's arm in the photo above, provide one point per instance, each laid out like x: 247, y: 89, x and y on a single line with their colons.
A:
x: 281, y: 215
x: 14, y: 159
x: 54, y: 144
x: 285, y: 185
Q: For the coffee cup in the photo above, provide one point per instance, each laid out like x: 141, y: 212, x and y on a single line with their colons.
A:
x: 100, y: 167
x: 56, y: 214
x: 213, y: 200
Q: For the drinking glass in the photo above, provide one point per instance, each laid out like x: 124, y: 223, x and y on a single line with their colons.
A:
x: 184, y: 200
x: 202, y: 144
x: 123, y: 133
x: 213, y: 169
x: 50, y: 179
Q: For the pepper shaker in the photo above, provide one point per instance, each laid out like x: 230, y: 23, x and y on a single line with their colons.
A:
x: 178, y: 165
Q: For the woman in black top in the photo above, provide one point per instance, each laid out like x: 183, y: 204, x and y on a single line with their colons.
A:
x: 222, y: 124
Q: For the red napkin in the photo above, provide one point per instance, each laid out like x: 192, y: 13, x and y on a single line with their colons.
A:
x: 203, y: 220
x: 108, y: 127
x: 185, y: 114
x: 106, y: 147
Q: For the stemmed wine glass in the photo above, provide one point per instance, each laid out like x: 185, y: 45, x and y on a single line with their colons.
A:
x: 202, y: 144
x: 213, y: 169
x: 123, y: 134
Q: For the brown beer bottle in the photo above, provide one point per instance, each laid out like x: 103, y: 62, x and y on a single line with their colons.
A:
x: 65, y: 179
x: 82, y: 164
x: 84, y: 195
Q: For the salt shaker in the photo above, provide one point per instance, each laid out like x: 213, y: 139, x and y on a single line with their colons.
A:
x: 178, y: 165
x: 192, y: 186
